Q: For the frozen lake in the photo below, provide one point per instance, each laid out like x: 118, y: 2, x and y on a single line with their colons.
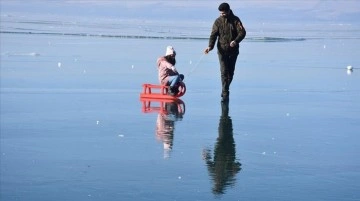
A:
x: 73, y: 126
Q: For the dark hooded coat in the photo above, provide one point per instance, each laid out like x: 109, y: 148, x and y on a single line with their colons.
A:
x: 225, y: 30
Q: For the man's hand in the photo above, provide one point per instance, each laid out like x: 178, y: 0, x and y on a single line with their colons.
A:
x: 207, y: 50
x: 233, y: 44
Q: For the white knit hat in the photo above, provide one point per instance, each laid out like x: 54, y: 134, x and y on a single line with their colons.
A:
x: 169, y: 51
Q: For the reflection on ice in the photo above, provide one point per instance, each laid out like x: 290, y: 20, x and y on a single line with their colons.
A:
x: 169, y: 111
x: 223, y: 166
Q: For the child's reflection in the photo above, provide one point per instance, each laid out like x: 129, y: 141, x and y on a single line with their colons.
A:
x: 165, y: 124
x: 224, y: 166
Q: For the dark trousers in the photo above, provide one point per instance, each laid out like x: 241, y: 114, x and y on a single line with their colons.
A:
x: 227, y: 68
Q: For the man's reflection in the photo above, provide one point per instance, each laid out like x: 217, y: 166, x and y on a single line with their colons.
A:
x: 169, y: 112
x: 224, y: 166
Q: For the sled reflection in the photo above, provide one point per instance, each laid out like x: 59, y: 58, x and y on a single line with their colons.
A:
x: 169, y: 111
x: 223, y: 166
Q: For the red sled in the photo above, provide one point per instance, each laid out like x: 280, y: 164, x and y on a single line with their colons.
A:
x: 152, y: 91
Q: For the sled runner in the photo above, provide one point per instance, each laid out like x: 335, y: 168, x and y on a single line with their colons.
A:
x: 152, y: 91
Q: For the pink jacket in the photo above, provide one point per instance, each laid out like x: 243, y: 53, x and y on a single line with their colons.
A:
x: 165, y: 69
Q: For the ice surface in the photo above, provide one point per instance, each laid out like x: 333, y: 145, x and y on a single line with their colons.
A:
x: 77, y: 130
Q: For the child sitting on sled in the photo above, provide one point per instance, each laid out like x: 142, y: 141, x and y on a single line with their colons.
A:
x: 168, y: 75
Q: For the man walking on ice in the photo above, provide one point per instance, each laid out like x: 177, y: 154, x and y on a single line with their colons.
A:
x: 229, y: 32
